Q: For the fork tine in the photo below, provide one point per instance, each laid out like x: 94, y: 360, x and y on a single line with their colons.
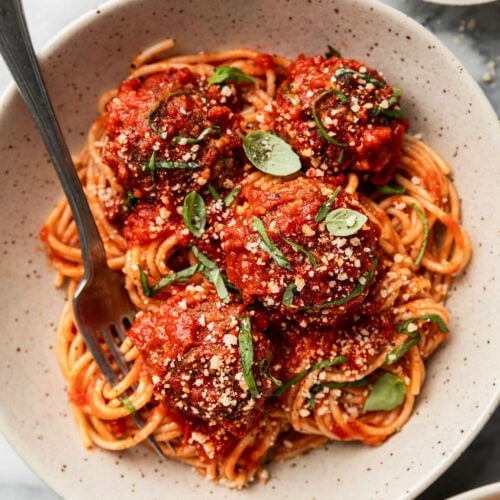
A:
x: 109, y: 338
x: 108, y: 371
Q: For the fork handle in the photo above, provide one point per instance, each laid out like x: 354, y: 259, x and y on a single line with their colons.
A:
x: 18, y: 53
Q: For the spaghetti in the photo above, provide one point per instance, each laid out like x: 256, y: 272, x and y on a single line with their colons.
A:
x: 289, y: 248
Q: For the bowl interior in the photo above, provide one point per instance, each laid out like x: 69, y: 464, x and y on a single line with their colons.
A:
x: 443, y: 103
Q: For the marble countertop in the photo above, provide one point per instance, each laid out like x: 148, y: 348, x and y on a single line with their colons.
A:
x: 471, y: 33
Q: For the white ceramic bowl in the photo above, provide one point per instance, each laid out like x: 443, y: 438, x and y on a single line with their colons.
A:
x: 443, y: 103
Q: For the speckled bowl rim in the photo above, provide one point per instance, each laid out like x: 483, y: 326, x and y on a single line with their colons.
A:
x: 488, y: 403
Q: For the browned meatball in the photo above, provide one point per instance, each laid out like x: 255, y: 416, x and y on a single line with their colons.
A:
x: 282, y: 255
x: 339, y: 115
x: 191, y: 346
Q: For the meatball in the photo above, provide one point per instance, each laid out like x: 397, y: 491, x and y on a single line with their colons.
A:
x: 168, y: 131
x: 191, y: 346
x: 282, y: 255
x: 339, y: 115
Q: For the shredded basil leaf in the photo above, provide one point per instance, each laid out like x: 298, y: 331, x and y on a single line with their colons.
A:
x: 396, y: 114
x: 325, y: 208
x: 128, y: 404
x: 215, y: 195
x: 213, y: 274
x: 401, y: 350
x: 130, y: 199
x: 229, y: 198
x: 333, y: 385
x: 340, y: 157
x: 263, y: 365
x: 170, y: 279
x: 391, y: 189
x: 232, y: 195
x: 215, y: 129
x: 396, y: 94
x: 435, y: 318
x: 223, y: 74
x: 344, y: 221
x: 425, y: 223
x: 364, y: 76
x: 300, y: 248
x: 245, y: 344
x: 332, y: 52
x: 317, y: 119
x: 387, y: 393
x: 303, y: 374
x: 362, y: 283
x: 153, y: 164
x: 268, y: 246
x: 289, y: 294
x: 156, y: 106
x: 194, y: 213
x: 146, y: 289
x: 414, y: 335
x: 270, y: 154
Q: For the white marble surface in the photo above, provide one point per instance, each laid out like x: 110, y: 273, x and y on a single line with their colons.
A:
x: 472, y: 34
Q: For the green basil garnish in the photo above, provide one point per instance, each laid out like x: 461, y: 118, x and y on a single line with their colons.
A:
x: 396, y: 94
x: 391, y: 189
x: 364, y: 76
x: 303, y: 374
x: 425, y: 223
x: 229, y: 198
x: 223, y: 74
x: 344, y: 221
x: 317, y: 119
x: 394, y: 114
x: 264, y: 368
x: 401, y: 350
x: 232, y: 195
x: 194, y: 213
x: 245, y: 344
x: 362, y: 283
x: 300, y: 248
x: 325, y: 208
x: 387, y: 393
x: 268, y: 246
x: 390, y: 113
x: 153, y: 164
x: 270, y: 154
x: 176, y: 277
x: 435, y: 318
x: 128, y: 404
x: 289, y: 294
x: 414, y: 335
x: 213, y: 274
x: 333, y: 385
x: 156, y: 106
x: 215, y: 129
x: 331, y: 52
x: 146, y: 289
x: 213, y: 192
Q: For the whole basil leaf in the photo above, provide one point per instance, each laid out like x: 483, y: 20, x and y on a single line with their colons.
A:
x: 387, y: 393
x: 270, y: 154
